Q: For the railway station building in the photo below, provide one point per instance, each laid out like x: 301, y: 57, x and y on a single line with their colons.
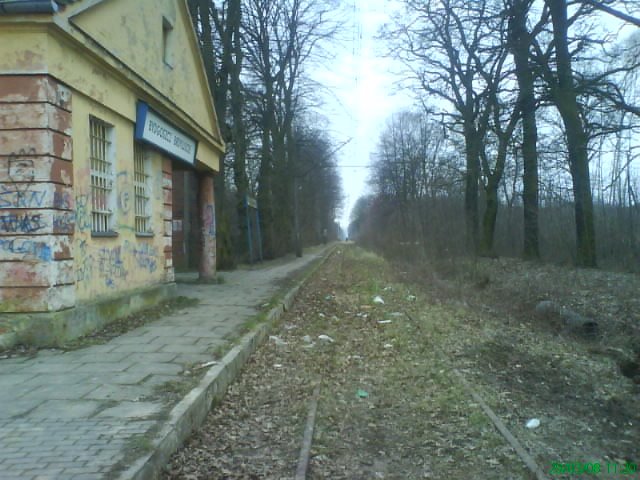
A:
x: 104, y: 108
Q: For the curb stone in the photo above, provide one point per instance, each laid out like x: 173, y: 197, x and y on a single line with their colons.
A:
x: 191, y: 411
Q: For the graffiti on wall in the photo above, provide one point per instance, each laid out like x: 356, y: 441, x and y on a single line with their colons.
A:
x: 83, y: 263
x: 209, y: 224
x: 21, y: 169
x: 21, y: 223
x: 64, y: 222
x: 27, y: 248
x: 83, y: 206
x: 83, y: 213
x: 107, y: 265
x: 21, y: 196
x: 124, y: 189
x: 112, y: 266
x: 62, y: 200
x: 84, y: 269
x: 23, y: 192
x: 145, y: 255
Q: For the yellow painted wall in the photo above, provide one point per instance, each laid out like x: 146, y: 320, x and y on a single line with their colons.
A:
x: 107, y: 266
x: 132, y: 31
x: 23, y: 49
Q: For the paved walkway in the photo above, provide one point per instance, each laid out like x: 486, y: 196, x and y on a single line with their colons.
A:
x: 86, y: 414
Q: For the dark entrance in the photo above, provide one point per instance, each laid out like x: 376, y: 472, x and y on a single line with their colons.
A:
x: 186, y: 220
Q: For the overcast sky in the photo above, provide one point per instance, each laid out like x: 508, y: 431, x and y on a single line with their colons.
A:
x: 362, y: 96
x: 360, y: 92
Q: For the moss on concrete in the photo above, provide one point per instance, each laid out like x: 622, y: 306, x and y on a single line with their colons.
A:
x: 54, y: 329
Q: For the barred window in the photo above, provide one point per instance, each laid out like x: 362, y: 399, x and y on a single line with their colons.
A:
x: 141, y: 187
x: 102, y: 185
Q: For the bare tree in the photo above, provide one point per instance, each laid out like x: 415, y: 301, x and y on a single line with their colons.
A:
x: 503, y: 122
x: 216, y: 35
x: 563, y: 91
x: 520, y: 41
x: 569, y: 90
x: 318, y: 184
x: 415, y: 178
x: 281, y: 37
x: 455, y: 50
x: 239, y: 136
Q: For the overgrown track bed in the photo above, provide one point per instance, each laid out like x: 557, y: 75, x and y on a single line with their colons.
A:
x: 390, y: 406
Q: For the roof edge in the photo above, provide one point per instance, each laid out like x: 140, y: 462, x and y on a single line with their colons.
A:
x: 28, y: 6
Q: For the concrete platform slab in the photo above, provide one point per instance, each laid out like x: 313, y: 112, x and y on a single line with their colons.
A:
x: 127, y: 410
x: 85, y: 413
x: 65, y: 409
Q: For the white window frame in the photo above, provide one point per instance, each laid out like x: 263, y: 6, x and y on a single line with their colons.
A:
x: 142, y: 190
x: 102, y: 183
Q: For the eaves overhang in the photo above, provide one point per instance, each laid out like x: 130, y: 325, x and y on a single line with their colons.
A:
x: 22, y: 7
x: 8, y: 7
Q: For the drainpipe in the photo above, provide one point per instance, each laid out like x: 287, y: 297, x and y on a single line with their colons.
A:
x: 28, y: 6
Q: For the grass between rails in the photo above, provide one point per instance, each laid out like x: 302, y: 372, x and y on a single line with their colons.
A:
x: 526, y: 367
x: 389, y: 406
x: 417, y: 421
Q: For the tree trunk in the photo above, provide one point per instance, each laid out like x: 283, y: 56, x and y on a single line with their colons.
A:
x: 520, y: 42
x: 567, y: 103
x: 265, y: 193
x: 493, y: 183
x: 282, y: 194
x: 219, y: 86
x: 489, y: 220
x: 238, y: 129
x: 471, y: 186
x: 292, y: 157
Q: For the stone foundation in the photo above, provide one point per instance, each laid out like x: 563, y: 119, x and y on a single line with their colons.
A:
x: 53, y: 329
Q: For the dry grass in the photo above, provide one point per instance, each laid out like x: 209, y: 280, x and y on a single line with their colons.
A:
x: 390, y: 406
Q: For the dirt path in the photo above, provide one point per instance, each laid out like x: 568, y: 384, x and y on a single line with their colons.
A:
x: 390, y: 405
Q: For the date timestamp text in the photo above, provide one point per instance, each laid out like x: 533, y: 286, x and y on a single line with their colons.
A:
x: 626, y: 470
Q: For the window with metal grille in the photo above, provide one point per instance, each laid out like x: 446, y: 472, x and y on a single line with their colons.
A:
x: 102, y: 191
x: 141, y: 188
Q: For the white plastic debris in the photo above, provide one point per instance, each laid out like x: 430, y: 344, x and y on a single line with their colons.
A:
x: 384, y: 322
x: 388, y: 345
x: 307, y: 339
x: 533, y: 423
x: 411, y: 298
x: 378, y: 299
x: 277, y: 340
x: 321, y: 315
x: 325, y: 338
x: 206, y: 364
x: 277, y: 365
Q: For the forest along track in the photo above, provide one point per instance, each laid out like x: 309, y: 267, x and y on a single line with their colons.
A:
x: 389, y: 404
